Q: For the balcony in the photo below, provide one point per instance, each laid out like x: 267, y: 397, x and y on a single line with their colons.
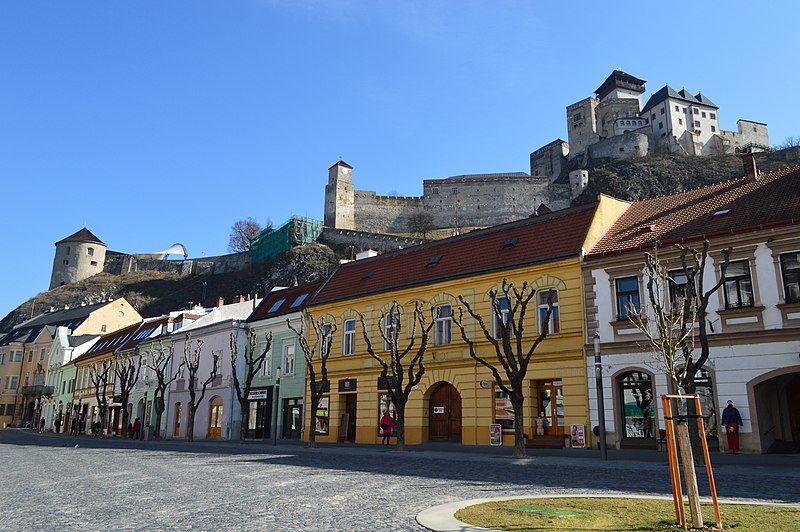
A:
x: 37, y: 389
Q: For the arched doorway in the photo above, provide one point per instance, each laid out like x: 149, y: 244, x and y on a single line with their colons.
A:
x: 637, y: 409
x: 777, y: 402
x: 215, y: 417
x: 444, y: 414
x: 177, y: 432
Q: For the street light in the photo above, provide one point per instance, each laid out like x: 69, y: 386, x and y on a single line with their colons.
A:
x: 275, y: 398
x: 601, y: 410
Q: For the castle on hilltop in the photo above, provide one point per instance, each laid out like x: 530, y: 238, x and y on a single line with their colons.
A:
x: 612, y: 124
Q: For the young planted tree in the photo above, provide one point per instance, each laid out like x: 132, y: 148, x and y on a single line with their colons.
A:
x: 101, y: 374
x: 159, y: 361
x: 670, y: 330
x: 126, y: 370
x: 323, y: 339
x: 191, y: 359
x: 253, y: 364
x: 509, y: 308
x: 401, y: 367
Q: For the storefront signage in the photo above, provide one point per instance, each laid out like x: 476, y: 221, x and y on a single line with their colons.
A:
x: 578, y: 435
x: 385, y: 382
x: 257, y: 395
x: 438, y: 410
x: 485, y: 384
x: 347, y: 385
x: 495, y: 434
x: 325, y: 386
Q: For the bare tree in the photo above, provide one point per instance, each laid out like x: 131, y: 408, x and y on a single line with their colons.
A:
x: 253, y: 364
x: 670, y: 329
x: 508, y: 340
x: 101, y: 373
x: 191, y: 359
x: 159, y: 361
x: 126, y: 370
x: 323, y: 336
x: 396, y: 367
x: 242, y: 232
x: 420, y: 224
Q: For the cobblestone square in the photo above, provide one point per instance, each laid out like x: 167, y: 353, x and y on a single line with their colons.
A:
x: 119, y: 484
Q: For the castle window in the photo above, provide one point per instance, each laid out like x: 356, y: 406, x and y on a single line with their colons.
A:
x: 703, y: 114
x: 90, y: 251
x: 454, y: 190
x: 696, y: 111
x: 577, y: 117
x: 621, y: 148
x: 93, y: 263
x: 66, y: 262
x: 653, y: 115
x: 713, y: 128
x: 697, y: 124
x: 662, y: 110
x: 661, y: 125
x: 68, y: 250
x: 435, y: 190
x: 677, y: 108
x: 713, y: 116
x: 680, y: 121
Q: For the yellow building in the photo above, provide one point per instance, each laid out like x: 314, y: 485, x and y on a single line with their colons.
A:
x: 457, y: 399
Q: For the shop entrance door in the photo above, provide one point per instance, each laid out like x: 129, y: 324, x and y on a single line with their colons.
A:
x: 293, y: 418
x: 444, y: 414
x: 350, y: 408
x: 257, y: 420
x: 550, y: 401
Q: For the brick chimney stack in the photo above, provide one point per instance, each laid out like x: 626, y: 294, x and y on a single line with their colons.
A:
x: 749, y: 167
x: 220, y: 301
x: 240, y: 299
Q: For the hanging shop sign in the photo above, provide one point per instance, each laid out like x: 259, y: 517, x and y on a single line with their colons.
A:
x: 485, y: 384
x: 578, y: 435
x: 257, y: 395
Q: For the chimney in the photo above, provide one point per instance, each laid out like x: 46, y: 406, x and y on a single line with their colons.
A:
x: 220, y: 301
x: 240, y: 299
x: 749, y: 167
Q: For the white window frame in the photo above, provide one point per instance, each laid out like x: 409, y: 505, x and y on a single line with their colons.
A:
x: 288, y: 359
x: 326, y: 336
x: 554, y: 324
x: 504, y: 312
x: 349, y: 338
x: 266, y: 370
x: 443, y: 324
x: 388, y: 319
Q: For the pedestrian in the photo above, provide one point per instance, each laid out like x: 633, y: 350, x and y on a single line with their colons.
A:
x: 137, y: 427
x: 387, y: 426
x: 58, y: 424
x: 540, y: 424
x: 41, y: 424
x: 732, y: 420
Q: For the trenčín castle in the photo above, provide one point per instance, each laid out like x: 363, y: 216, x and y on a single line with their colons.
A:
x: 612, y: 124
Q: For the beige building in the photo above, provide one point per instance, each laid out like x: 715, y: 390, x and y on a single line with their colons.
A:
x: 78, y: 257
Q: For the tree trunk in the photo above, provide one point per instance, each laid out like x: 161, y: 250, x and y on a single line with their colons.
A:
x: 190, y: 425
x: 125, y: 416
x: 517, y: 400
x: 245, y: 419
x: 160, y: 408
x: 692, y: 494
x: 312, y: 429
x: 400, y: 426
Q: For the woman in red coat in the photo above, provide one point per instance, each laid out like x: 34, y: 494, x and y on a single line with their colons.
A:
x: 387, y: 426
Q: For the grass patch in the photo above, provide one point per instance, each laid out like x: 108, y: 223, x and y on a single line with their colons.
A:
x: 619, y: 514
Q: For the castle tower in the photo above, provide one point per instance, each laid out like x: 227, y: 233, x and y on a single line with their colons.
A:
x: 78, y: 257
x: 340, y: 197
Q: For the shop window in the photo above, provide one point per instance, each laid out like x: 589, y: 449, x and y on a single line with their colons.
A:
x: 504, y: 305
x: 390, y: 325
x: 554, y: 324
x: 385, y: 404
x: 503, y: 410
x: 349, y: 347
x: 627, y: 296
x: 322, y: 422
x: 443, y: 327
x: 738, y: 288
x: 636, y: 405
x: 790, y: 272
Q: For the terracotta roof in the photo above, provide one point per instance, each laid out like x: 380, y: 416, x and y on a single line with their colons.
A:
x: 84, y: 235
x: 110, y: 342
x: 286, y: 301
x: 726, y: 207
x: 534, y: 240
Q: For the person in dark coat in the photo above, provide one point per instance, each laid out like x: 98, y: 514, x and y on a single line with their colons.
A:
x: 387, y: 426
x: 732, y: 420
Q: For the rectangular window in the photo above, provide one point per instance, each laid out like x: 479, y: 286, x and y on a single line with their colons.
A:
x: 2, y: 358
x: 349, y: 337
x: 677, y: 285
x: 661, y: 125
x: 10, y: 409
x: 554, y: 325
x: 503, y: 411
x: 680, y: 121
x: 505, y: 308
x: 435, y: 190
x: 577, y: 117
x: 14, y: 382
x: 627, y: 296
x: 94, y: 263
x: 322, y: 415
x: 697, y: 124
x: 677, y: 108
x: 18, y: 356
x: 385, y: 406
x: 713, y: 116
x: 41, y: 354
x: 288, y: 359
x: 662, y: 110
x: 390, y: 324
x: 325, y: 341
x: 63, y: 386
x: 695, y: 111
x: 790, y: 271
x: 443, y: 325
x: 90, y: 251
x: 2, y: 410
x: 738, y: 288
x: 454, y: 190
x: 30, y: 356
x: 713, y: 128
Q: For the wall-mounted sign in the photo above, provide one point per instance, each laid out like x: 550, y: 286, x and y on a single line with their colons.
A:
x: 485, y: 384
x: 496, y: 434
x: 385, y: 382
x: 438, y: 410
x: 347, y: 385
x: 578, y: 435
x: 257, y: 395
x: 325, y: 386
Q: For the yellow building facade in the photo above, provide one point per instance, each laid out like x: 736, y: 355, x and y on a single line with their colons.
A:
x: 457, y: 398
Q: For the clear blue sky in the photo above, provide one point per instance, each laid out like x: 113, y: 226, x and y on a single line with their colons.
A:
x: 155, y: 122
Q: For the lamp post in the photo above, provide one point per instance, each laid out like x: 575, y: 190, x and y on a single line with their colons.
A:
x: 275, y: 398
x: 601, y: 410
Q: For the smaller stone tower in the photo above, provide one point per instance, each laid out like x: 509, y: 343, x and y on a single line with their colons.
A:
x: 340, y: 197
x: 78, y: 257
x: 578, y: 181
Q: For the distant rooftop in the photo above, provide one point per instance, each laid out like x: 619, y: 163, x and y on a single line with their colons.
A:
x: 84, y: 235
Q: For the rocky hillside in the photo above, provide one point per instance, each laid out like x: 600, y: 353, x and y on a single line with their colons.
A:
x: 155, y: 293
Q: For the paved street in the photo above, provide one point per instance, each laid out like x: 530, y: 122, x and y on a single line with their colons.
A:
x: 118, y: 484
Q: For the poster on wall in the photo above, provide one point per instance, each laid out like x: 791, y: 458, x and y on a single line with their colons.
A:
x: 578, y: 435
x: 495, y: 434
x: 321, y: 426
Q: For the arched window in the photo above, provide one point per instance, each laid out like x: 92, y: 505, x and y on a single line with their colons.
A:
x: 215, y: 417
x: 542, y: 298
x: 177, y: 431
x: 636, y: 405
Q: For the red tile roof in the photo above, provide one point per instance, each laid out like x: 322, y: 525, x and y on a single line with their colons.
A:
x: 772, y: 199
x: 549, y: 237
x: 288, y: 300
x: 108, y: 343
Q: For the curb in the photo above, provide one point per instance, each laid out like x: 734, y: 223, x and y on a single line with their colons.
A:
x: 441, y: 518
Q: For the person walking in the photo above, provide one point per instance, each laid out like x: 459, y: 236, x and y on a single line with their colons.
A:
x: 732, y: 420
x: 387, y: 426
x: 137, y: 428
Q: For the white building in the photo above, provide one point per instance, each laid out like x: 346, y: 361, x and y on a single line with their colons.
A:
x: 754, y: 319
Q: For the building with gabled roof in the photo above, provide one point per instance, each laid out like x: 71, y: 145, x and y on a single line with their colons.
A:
x: 78, y: 257
x: 753, y: 319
